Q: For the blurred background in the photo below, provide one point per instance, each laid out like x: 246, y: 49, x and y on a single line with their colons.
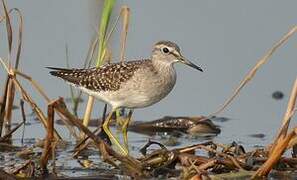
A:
x: 226, y: 38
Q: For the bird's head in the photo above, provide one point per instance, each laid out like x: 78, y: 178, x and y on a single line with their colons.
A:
x: 168, y: 52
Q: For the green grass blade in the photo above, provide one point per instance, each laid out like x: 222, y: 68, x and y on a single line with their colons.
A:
x: 108, y: 6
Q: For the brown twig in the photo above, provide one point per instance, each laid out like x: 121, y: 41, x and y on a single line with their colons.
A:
x: 3, y: 106
x: 34, y: 84
x: 108, y: 154
x: 274, y: 156
x: 9, y: 134
x: 61, y: 107
x: 6, y: 107
x: 84, y: 143
x: 208, y: 165
x: 282, y: 141
x: 287, y: 117
x: 229, y: 160
x: 33, y: 105
x: 28, y: 167
x: 125, y: 13
x: 8, y: 27
x: 11, y: 88
x: 43, y: 94
x: 48, y: 148
x: 253, y: 71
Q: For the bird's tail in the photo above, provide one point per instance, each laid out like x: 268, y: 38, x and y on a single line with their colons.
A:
x: 58, y: 71
x: 70, y: 75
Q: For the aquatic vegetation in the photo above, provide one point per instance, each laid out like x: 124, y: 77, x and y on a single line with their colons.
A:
x: 91, y: 155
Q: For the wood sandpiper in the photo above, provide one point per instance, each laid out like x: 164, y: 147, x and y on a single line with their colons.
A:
x: 131, y: 84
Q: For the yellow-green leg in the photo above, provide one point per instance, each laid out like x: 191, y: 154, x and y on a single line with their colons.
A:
x: 111, y: 137
x: 124, y: 129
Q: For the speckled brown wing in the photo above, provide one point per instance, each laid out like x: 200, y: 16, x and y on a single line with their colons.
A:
x: 105, y: 78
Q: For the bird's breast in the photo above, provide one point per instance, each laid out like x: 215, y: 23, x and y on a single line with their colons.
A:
x: 146, y: 87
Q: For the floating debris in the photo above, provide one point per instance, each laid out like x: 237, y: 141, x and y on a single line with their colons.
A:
x: 257, y: 135
x: 170, y: 124
x: 277, y: 95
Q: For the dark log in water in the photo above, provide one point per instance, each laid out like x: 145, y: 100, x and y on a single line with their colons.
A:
x: 169, y: 124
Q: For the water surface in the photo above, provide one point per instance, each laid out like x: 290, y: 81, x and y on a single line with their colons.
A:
x: 224, y: 37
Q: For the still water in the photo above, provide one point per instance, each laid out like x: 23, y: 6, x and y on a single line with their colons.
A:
x: 224, y: 37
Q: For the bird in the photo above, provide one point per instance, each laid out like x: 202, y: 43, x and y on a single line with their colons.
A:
x: 129, y: 84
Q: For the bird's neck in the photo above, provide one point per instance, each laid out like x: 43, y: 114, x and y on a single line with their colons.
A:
x: 163, y: 68
x: 161, y: 65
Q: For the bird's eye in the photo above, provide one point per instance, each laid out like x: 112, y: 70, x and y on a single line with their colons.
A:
x: 165, y: 50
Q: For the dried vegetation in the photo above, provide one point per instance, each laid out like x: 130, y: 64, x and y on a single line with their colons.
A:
x: 204, y: 160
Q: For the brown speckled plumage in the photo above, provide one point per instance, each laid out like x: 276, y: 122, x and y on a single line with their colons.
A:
x: 105, y: 78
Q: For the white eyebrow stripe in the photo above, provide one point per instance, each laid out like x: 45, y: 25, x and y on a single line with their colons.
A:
x: 175, y: 53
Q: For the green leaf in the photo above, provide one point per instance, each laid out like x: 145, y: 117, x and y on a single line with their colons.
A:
x: 107, y: 9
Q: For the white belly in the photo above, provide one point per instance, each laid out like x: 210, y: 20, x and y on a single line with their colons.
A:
x: 146, y: 91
